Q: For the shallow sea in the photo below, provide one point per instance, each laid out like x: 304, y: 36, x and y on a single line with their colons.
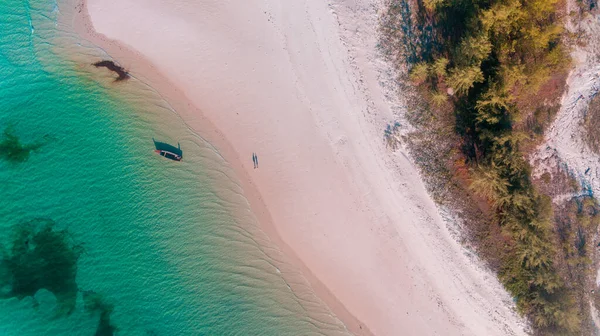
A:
x: 101, y: 236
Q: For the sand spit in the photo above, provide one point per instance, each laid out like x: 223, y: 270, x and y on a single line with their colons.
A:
x: 299, y: 84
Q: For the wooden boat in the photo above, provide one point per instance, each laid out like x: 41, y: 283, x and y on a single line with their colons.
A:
x: 168, y: 151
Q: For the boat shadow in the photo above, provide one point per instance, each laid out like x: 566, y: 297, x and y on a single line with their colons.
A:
x: 168, y: 151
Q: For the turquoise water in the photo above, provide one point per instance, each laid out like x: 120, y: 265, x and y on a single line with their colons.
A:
x: 99, y: 235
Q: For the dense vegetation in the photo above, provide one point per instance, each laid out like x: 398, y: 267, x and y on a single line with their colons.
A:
x: 498, y: 66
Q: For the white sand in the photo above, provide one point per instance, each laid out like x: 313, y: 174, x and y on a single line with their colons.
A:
x: 564, y: 142
x: 298, y: 83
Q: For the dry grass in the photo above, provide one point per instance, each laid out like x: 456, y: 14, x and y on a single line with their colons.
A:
x: 591, y: 125
x: 576, y: 224
x: 557, y: 183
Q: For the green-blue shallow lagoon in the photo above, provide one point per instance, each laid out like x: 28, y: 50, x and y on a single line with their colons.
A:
x: 101, y: 236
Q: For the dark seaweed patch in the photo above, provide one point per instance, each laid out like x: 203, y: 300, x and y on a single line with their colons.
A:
x: 41, y: 257
x: 110, y: 65
x: 11, y: 148
x: 95, y: 303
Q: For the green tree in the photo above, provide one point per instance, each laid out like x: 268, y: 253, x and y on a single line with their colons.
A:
x: 439, y: 98
x: 439, y: 67
x: 463, y: 79
x: 419, y: 73
x: 431, y: 5
x: 503, y: 19
x: 492, y: 105
x: 488, y: 183
x: 474, y: 49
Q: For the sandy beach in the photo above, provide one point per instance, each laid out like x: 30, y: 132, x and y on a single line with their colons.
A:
x: 299, y: 83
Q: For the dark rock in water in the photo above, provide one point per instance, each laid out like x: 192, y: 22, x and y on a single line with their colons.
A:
x: 110, y: 65
x: 41, y: 257
x: 11, y: 148
x: 95, y: 303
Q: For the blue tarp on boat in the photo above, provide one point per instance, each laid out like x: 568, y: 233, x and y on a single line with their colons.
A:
x: 162, y: 146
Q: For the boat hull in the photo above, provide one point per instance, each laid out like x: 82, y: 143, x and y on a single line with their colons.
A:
x: 168, y: 155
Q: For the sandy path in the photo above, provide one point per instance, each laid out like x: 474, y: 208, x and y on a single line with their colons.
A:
x: 298, y: 83
x: 564, y: 142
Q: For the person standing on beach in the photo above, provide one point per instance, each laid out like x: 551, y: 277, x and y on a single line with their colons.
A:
x: 254, y: 159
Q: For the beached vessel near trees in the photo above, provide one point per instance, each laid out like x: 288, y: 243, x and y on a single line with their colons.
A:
x: 168, y: 151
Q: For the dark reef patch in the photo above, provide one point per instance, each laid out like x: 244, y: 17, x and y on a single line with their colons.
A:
x: 110, y: 65
x: 11, y: 148
x: 41, y: 257
x: 95, y: 303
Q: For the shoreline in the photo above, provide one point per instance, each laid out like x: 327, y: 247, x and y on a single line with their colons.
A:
x: 136, y: 64
x: 407, y: 277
